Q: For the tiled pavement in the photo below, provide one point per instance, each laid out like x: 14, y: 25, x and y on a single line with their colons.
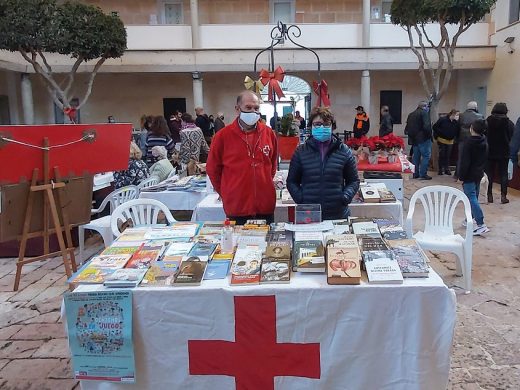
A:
x: 486, y: 351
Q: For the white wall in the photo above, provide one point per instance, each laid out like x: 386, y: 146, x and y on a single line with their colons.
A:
x: 160, y: 37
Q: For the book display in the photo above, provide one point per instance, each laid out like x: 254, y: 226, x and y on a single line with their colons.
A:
x: 188, y: 253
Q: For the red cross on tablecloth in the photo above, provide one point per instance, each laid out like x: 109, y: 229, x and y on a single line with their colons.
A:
x: 254, y: 358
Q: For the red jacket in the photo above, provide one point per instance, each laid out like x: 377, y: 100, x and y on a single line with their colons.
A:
x: 241, y: 167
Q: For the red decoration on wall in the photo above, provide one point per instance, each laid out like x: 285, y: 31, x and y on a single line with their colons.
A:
x: 322, y: 90
x: 273, y: 79
x: 71, y: 112
x: 254, y: 358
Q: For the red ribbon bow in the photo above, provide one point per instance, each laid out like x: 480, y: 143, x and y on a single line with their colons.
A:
x: 322, y: 90
x: 273, y: 79
x: 71, y: 113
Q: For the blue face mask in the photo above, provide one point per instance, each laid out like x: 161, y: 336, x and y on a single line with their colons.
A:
x: 322, y: 133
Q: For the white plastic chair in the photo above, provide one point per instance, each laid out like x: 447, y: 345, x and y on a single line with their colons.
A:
x: 151, y: 181
x: 141, y: 212
x: 102, y: 225
x: 439, y: 204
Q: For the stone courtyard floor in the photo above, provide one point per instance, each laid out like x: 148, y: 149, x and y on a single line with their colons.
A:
x: 486, y: 350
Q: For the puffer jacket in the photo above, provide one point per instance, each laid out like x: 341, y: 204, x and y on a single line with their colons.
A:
x: 499, y: 133
x: 332, y: 183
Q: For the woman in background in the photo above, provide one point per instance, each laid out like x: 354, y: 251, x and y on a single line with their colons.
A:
x: 163, y: 167
x: 136, y: 172
x: 159, y: 135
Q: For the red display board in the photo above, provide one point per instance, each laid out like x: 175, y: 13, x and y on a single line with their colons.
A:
x: 108, y: 151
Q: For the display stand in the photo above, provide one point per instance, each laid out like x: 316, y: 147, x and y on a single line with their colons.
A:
x: 51, y: 204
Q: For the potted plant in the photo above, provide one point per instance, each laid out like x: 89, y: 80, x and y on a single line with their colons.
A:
x: 394, y: 145
x: 288, y: 139
x: 356, y: 145
x: 373, y: 148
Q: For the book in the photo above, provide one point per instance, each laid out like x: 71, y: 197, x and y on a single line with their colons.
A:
x: 217, y: 256
x: 308, y: 236
x: 386, y: 196
x: 120, y: 250
x: 383, y: 222
x: 162, y: 273
x: 341, y: 241
x: 125, y: 277
x: 275, y: 271
x: 133, y: 234
x: 91, y: 275
x: 411, y: 258
x: 208, y: 238
x: 247, y: 240
x: 179, y: 249
x: 366, y: 228
x: 203, y: 249
x: 372, y: 244
x: 343, y: 266
x: 191, y: 271
x: 278, y: 250
x: 277, y: 227
x: 341, y: 226
x: 279, y: 236
x: 309, y: 256
x: 217, y: 269
x: 110, y: 261
x: 370, y: 194
x: 144, y: 257
x: 382, y: 267
x: 392, y: 230
x: 394, y: 235
x: 246, y: 266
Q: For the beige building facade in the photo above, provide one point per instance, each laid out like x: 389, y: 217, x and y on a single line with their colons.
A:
x: 198, y: 52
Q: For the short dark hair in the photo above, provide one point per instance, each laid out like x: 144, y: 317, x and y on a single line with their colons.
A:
x: 500, y: 108
x: 453, y: 112
x: 479, y: 126
x: 187, y: 117
x: 324, y: 112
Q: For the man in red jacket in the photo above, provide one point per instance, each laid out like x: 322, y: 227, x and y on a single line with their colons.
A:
x: 242, y: 162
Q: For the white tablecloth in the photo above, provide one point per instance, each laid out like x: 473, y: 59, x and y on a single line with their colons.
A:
x: 370, y: 337
x: 176, y: 200
x: 103, y: 180
x: 211, y: 209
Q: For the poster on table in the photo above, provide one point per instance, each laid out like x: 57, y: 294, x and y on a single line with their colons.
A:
x: 100, y: 335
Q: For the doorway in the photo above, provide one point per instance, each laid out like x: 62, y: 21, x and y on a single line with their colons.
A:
x: 170, y: 105
x: 5, y: 117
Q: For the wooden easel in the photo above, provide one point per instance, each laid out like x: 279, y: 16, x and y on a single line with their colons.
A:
x: 53, y: 205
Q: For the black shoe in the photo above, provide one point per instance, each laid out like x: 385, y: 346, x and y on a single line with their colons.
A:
x: 440, y: 173
x: 447, y: 172
x: 425, y: 177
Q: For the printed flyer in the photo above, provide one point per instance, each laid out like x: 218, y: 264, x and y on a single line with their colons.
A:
x: 100, y: 335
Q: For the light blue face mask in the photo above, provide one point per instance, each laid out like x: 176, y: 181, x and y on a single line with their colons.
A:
x: 322, y: 133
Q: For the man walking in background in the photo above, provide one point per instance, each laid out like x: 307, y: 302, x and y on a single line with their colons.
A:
x: 387, y: 122
x: 466, y: 119
x: 203, y: 123
x: 419, y: 131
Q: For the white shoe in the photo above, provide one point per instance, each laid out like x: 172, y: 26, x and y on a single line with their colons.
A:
x: 480, y: 229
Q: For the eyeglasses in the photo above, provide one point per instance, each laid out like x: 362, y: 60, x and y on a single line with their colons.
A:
x: 318, y: 124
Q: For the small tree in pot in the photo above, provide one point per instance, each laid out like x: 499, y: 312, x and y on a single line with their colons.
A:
x: 287, y: 140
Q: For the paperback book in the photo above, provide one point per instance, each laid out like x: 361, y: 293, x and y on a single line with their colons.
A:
x: 110, y: 261
x: 91, y: 275
x: 161, y: 273
x: 191, y: 271
x: 278, y: 250
x: 179, y: 249
x: 372, y: 244
x: 121, y: 250
x: 370, y: 194
x: 410, y: 257
x: 386, y: 196
x: 217, y: 269
x: 366, y: 228
x: 343, y: 266
x: 246, y: 266
x: 143, y: 258
x: 275, y: 271
x: 341, y: 241
x: 125, y: 277
x: 382, y: 267
x: 203, y: 249
x: 309, y: 256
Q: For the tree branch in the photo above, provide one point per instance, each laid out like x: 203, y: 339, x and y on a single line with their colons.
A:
x: 91, y: 81
x: 72, y: 74
x: 49, y: 69
x: 422, y: 75
x: 425, y: 57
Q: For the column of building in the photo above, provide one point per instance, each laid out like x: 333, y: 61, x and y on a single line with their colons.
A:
x: 198, y: 91
x: 365, y: 74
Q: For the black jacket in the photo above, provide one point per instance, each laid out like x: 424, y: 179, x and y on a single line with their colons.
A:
x: 473, y: 159
x: 418, y: 127
x: 386, y: 126
x: 499, y: 133
x: 202, y: 121
x: 331, y: 183
x: 446, y: 128
x: 363, y: 128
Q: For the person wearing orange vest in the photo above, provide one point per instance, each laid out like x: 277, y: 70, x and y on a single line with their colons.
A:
x: 361, y: 123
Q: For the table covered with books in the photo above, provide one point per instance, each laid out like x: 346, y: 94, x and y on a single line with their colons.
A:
x: 211, y: 209
x: 287, y: 308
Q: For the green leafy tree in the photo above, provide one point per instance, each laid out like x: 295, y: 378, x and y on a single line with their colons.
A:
x: 436, y: 66
x: 36, y: 28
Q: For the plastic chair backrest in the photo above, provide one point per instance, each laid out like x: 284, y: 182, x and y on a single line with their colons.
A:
x: 141, y: 212
x: 123, y: 195
x: 439, y: 204
x: 151, y: 181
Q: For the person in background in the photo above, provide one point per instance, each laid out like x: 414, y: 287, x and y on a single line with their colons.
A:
x: 146, y: 124
x: 466, y: 119
x: 361, y: 123
x: 159, y: 135
x: 419, y: 131
x: 445, y: 131
x: 175, y: 126
x: 136, y: 172
x: 515, y: 144
x: 387, y: 122
x: 163, y: 167
x: 471, y: 170
x: 274, y: 122
x: 111, y: 119
x: 242, y: 163
x: 323, y: 170
x: 212, y: 124
x: 499, y: 135
x: 300, y: 119
x: 219, y: 122
x: 203, y: 123
x: 192, y: 140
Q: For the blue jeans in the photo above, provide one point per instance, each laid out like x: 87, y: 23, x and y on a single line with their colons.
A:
x: 471, y: 189
x: 421, y: 157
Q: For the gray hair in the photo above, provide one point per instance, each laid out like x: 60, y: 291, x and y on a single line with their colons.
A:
x: 472, y: 105
x: 159, y: 152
